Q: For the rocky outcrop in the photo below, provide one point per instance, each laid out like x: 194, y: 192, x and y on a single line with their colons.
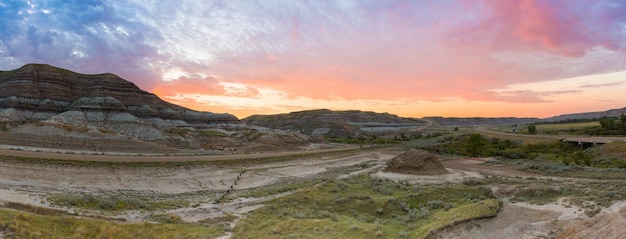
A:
x: 335, y: 123
x: 587, y: 115
x: 40, y: 92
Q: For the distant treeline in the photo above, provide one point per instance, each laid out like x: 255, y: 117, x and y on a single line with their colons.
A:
x: 609, y: 125
x: 569, y: 121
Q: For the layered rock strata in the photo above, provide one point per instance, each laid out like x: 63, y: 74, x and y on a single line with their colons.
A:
x: 43, y: 92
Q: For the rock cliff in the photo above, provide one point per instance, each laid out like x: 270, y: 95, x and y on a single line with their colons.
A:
x: 335, y: 123
x: 587, y: 115
x: 105, y: 113
x: 42, y: 92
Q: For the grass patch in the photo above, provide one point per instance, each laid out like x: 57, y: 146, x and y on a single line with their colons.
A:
x: 365, y: 207
x: 113, y: 202
x: 225, y: 219
x: 28, y: 225
x: 166, y: 218
x: 277, y: 189
x: 211, y: 133
x: 567, y: 126
x: 34, y: 209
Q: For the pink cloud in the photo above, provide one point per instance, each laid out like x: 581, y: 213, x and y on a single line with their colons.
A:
x: 295, y: 31
x: 522, y: 96
x: 548, y: 26
x: 393, y: 55
x: 194, y: 85
x: 602, y: 85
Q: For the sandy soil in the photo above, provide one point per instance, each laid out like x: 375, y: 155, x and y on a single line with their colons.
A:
x: 454, y: 176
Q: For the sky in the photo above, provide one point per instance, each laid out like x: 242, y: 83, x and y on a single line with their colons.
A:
x: 453, y: 58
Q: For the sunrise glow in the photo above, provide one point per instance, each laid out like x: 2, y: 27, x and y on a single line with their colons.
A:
x: 527, y: 58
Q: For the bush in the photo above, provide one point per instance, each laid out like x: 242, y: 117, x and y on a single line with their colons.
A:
x: 417, y: 213
x: 299, y: 215
x: 380, y: 210
x: 435, y: 204
x: 339, y: 199
x: 108, y: 203
x: 167, y: 218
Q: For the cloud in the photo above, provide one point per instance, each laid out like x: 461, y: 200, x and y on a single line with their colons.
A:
x: 86, y: 36
x: 324, y: 51
x: 524, y: 96
x: 566, y: 28
x: 602, y: 85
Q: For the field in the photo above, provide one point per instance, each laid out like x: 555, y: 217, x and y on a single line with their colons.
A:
x: 363, y: 207
x: 568, y: 126
x: 552, y: 129
x: 320, y: 193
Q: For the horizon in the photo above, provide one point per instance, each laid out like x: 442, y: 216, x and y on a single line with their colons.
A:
x: 412, y: 59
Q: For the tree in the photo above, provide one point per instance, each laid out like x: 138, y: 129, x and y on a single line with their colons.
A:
x: 622, y: 119
x: 532, y: 129
x: 607, y: 123
x: 475, y: 142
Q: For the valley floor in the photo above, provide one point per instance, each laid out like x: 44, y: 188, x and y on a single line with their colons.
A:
x: 228, y: 189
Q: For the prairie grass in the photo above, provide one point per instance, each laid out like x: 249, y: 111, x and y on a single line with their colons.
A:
x: 27, y: 225
x: 113, y: 202
x: 365, y: 207
x: 567, y: 126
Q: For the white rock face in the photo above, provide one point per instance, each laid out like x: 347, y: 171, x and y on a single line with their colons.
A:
x: 11, y: 114
x: 119, y: 122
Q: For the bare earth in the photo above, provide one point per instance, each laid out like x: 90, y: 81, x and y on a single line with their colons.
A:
x: 31, y: 183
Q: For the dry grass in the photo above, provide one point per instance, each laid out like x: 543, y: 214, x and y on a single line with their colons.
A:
x: 565, y: 126
x: 362, y: 207
x: 27, y: 225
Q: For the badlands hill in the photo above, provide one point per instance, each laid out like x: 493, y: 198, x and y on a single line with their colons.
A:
x: 104, y: 112
x: 335, y: 123
x: 587, y: 115
x: 475, y: 121
x: 40, y: 92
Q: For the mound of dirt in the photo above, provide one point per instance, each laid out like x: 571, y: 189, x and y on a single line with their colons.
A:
x: 416, y: 162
